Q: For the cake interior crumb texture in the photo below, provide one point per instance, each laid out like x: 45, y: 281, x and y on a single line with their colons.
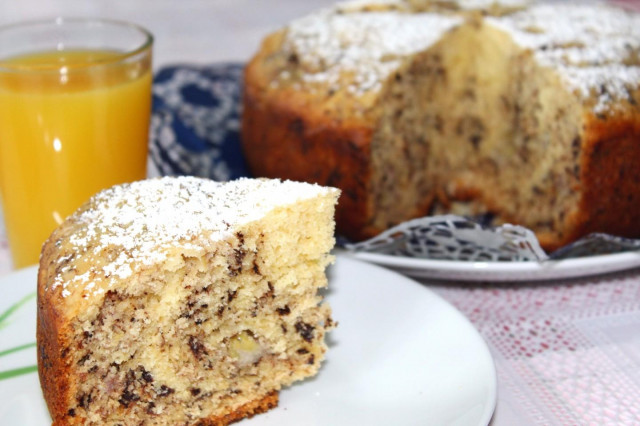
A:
x: 184, y: 301
x: 528, y: 111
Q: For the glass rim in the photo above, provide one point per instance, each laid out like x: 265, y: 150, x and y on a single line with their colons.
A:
x: 59, y: 22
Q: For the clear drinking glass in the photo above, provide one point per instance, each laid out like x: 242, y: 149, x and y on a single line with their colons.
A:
x: 75, y: 102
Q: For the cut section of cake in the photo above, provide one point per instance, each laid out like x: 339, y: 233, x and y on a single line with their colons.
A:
x: 183, y: 300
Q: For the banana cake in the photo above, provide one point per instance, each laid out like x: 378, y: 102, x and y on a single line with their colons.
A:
x: 524, y: 111
x: 183, y: 300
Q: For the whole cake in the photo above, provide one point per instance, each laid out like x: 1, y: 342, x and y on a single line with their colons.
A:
x: 524, y: 111
x: 183, y: 301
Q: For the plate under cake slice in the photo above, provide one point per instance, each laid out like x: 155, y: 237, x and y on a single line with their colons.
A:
x: 183, y: 300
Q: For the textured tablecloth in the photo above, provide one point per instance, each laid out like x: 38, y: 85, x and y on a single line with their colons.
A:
x: 566, y: 352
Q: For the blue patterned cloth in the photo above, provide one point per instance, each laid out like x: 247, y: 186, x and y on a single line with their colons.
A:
x: 195, y: 124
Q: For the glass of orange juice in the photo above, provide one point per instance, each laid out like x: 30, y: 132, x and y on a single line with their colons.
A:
x: 75, y: 101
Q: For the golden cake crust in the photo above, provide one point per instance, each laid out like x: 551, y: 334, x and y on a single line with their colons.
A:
x: 248, y: 410
x: 314, y: 148
x: 610, y: 182
x: 53, y: 348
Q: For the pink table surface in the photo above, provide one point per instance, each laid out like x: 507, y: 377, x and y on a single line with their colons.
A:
x: 566, y: 352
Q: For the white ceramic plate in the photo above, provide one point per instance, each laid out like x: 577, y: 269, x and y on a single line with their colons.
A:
x: 400, y: 356
x: 505, y: 271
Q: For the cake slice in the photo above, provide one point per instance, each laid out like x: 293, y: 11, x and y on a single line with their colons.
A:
x: 183, y: 300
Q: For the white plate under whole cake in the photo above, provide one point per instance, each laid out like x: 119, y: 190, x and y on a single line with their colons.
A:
x: 400, y: 355
x: 505, y: 271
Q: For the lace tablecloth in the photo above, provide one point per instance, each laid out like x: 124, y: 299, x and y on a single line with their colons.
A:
x: 566, y: 352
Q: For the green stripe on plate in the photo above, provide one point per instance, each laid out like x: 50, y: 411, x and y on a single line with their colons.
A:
x: 17, y: 348
x: 5, y: 315
x: 17, y: 372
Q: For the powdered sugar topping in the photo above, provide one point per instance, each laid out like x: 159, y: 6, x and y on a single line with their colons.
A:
x: 595, y: 47
x: 137, y: 223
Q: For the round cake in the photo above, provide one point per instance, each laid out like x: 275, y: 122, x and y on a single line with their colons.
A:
x: 526, y: 112
x: 183, y: 300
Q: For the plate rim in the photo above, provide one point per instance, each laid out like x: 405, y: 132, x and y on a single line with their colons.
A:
x: 505, y: 270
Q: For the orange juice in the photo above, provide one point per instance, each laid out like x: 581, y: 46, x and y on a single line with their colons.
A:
x: 71, y: 123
